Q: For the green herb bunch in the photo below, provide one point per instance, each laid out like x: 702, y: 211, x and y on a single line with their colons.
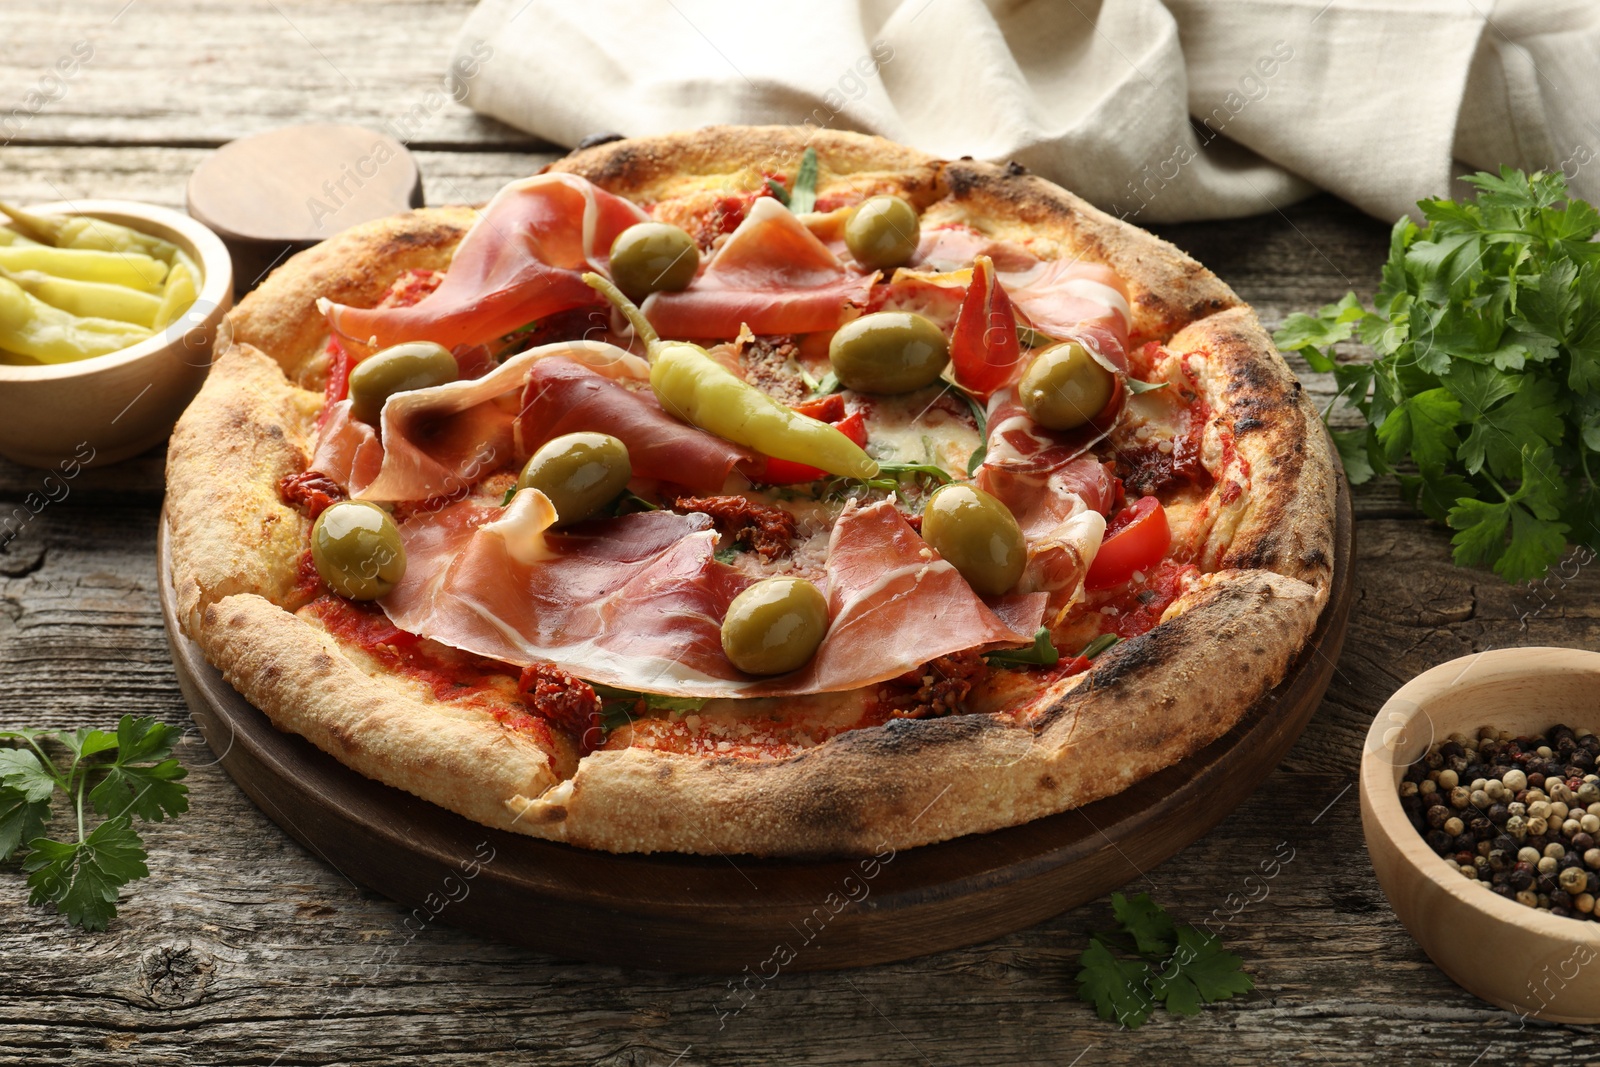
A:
x: 1153, y: 960
x: 1486, y: 330
x: 133, y: 774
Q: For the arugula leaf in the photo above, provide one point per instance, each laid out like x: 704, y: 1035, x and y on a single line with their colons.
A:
x: 1031, y: 338
x: 803, y: 197
x: 931, y: 471
x: 1135, y: 386
x: 1486, y: 372
x: 1042, y: 653
x: 619, y: 707
x: 828, y: 384
x: 1099, y: 645
x: 82, y: 879
x: 779, y: 193
x: 980, y: 415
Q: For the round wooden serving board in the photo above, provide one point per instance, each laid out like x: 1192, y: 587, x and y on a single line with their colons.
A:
x: 728, y: 913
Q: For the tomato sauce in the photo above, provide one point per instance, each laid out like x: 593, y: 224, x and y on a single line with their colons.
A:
x: 1136, y: 607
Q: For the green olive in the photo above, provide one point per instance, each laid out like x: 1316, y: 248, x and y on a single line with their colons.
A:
x: 1064, y: 387
x: 774, y: 626
x: 977, y: 535
x: 651, y: 257
x: 580, y: 473
x: 888, y: 352
x: 414, y: 365
x: 882, y: 233
x: 357, y: 550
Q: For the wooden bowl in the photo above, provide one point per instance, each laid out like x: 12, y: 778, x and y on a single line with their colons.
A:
x: 114, y: 406
x: 1539, y: 965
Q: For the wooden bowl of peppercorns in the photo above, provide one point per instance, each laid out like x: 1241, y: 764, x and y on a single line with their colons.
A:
x: 1480, y: 801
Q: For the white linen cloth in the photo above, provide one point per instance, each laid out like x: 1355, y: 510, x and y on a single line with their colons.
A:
x: 1187, y: 109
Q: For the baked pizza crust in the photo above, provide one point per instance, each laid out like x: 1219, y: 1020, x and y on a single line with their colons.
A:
x: 457, y: 757
x: 1148, y: 703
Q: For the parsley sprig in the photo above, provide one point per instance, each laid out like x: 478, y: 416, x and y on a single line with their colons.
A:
x: 1153, y: 960
x: 1486, y: 329
x: 133, y: 774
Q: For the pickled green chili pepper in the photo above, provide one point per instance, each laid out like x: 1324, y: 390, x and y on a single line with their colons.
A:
x: 89, y: 299
x: 696, y: 388
x: 30, y: 327
x: 180, y: 293
x: 133, y: 269
x: 84, y: 232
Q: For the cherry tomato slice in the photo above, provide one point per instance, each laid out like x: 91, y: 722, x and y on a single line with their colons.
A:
x: 1136, y: 540
x: 788, y: 472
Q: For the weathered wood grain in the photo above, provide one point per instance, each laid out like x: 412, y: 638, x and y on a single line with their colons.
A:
x: 201, y: 72
x: 158, y: 175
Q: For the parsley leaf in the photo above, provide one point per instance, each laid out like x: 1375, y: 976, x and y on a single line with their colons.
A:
x: 1175, y: 964
x: 1530, y: 512
x: 1146, y: 922
x: 24, y: 772
x: 21, y: 820
x: 1119, y: 989
x: 133, y: 774
x: 1424, y: 426
x: 82, y: 878
x: 1485, y: 333
x: 151, y: 792
x: 1199, y: 972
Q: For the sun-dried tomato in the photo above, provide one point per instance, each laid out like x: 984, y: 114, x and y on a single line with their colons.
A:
x: 938, y: 687
x: 767, y: 530
x: 566, y: 700
x: 310, y: 491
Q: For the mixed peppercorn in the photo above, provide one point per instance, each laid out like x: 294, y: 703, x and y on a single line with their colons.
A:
x: 1519, y: 814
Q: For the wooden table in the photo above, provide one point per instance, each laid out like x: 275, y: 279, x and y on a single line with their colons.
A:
x: 243, y: 948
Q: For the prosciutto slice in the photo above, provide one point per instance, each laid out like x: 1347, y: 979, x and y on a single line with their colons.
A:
x: 772, y: 274
x: 1057, y: 295
x: 522, y: 260
x: 637, y: 601
x: 436, y: 442
x: 1076, y: 301
x: 562, y: 396
x: 1067, y: 299
x: 1057, y: 490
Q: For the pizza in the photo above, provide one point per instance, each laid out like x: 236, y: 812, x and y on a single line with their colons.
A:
x: 751, y: 490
